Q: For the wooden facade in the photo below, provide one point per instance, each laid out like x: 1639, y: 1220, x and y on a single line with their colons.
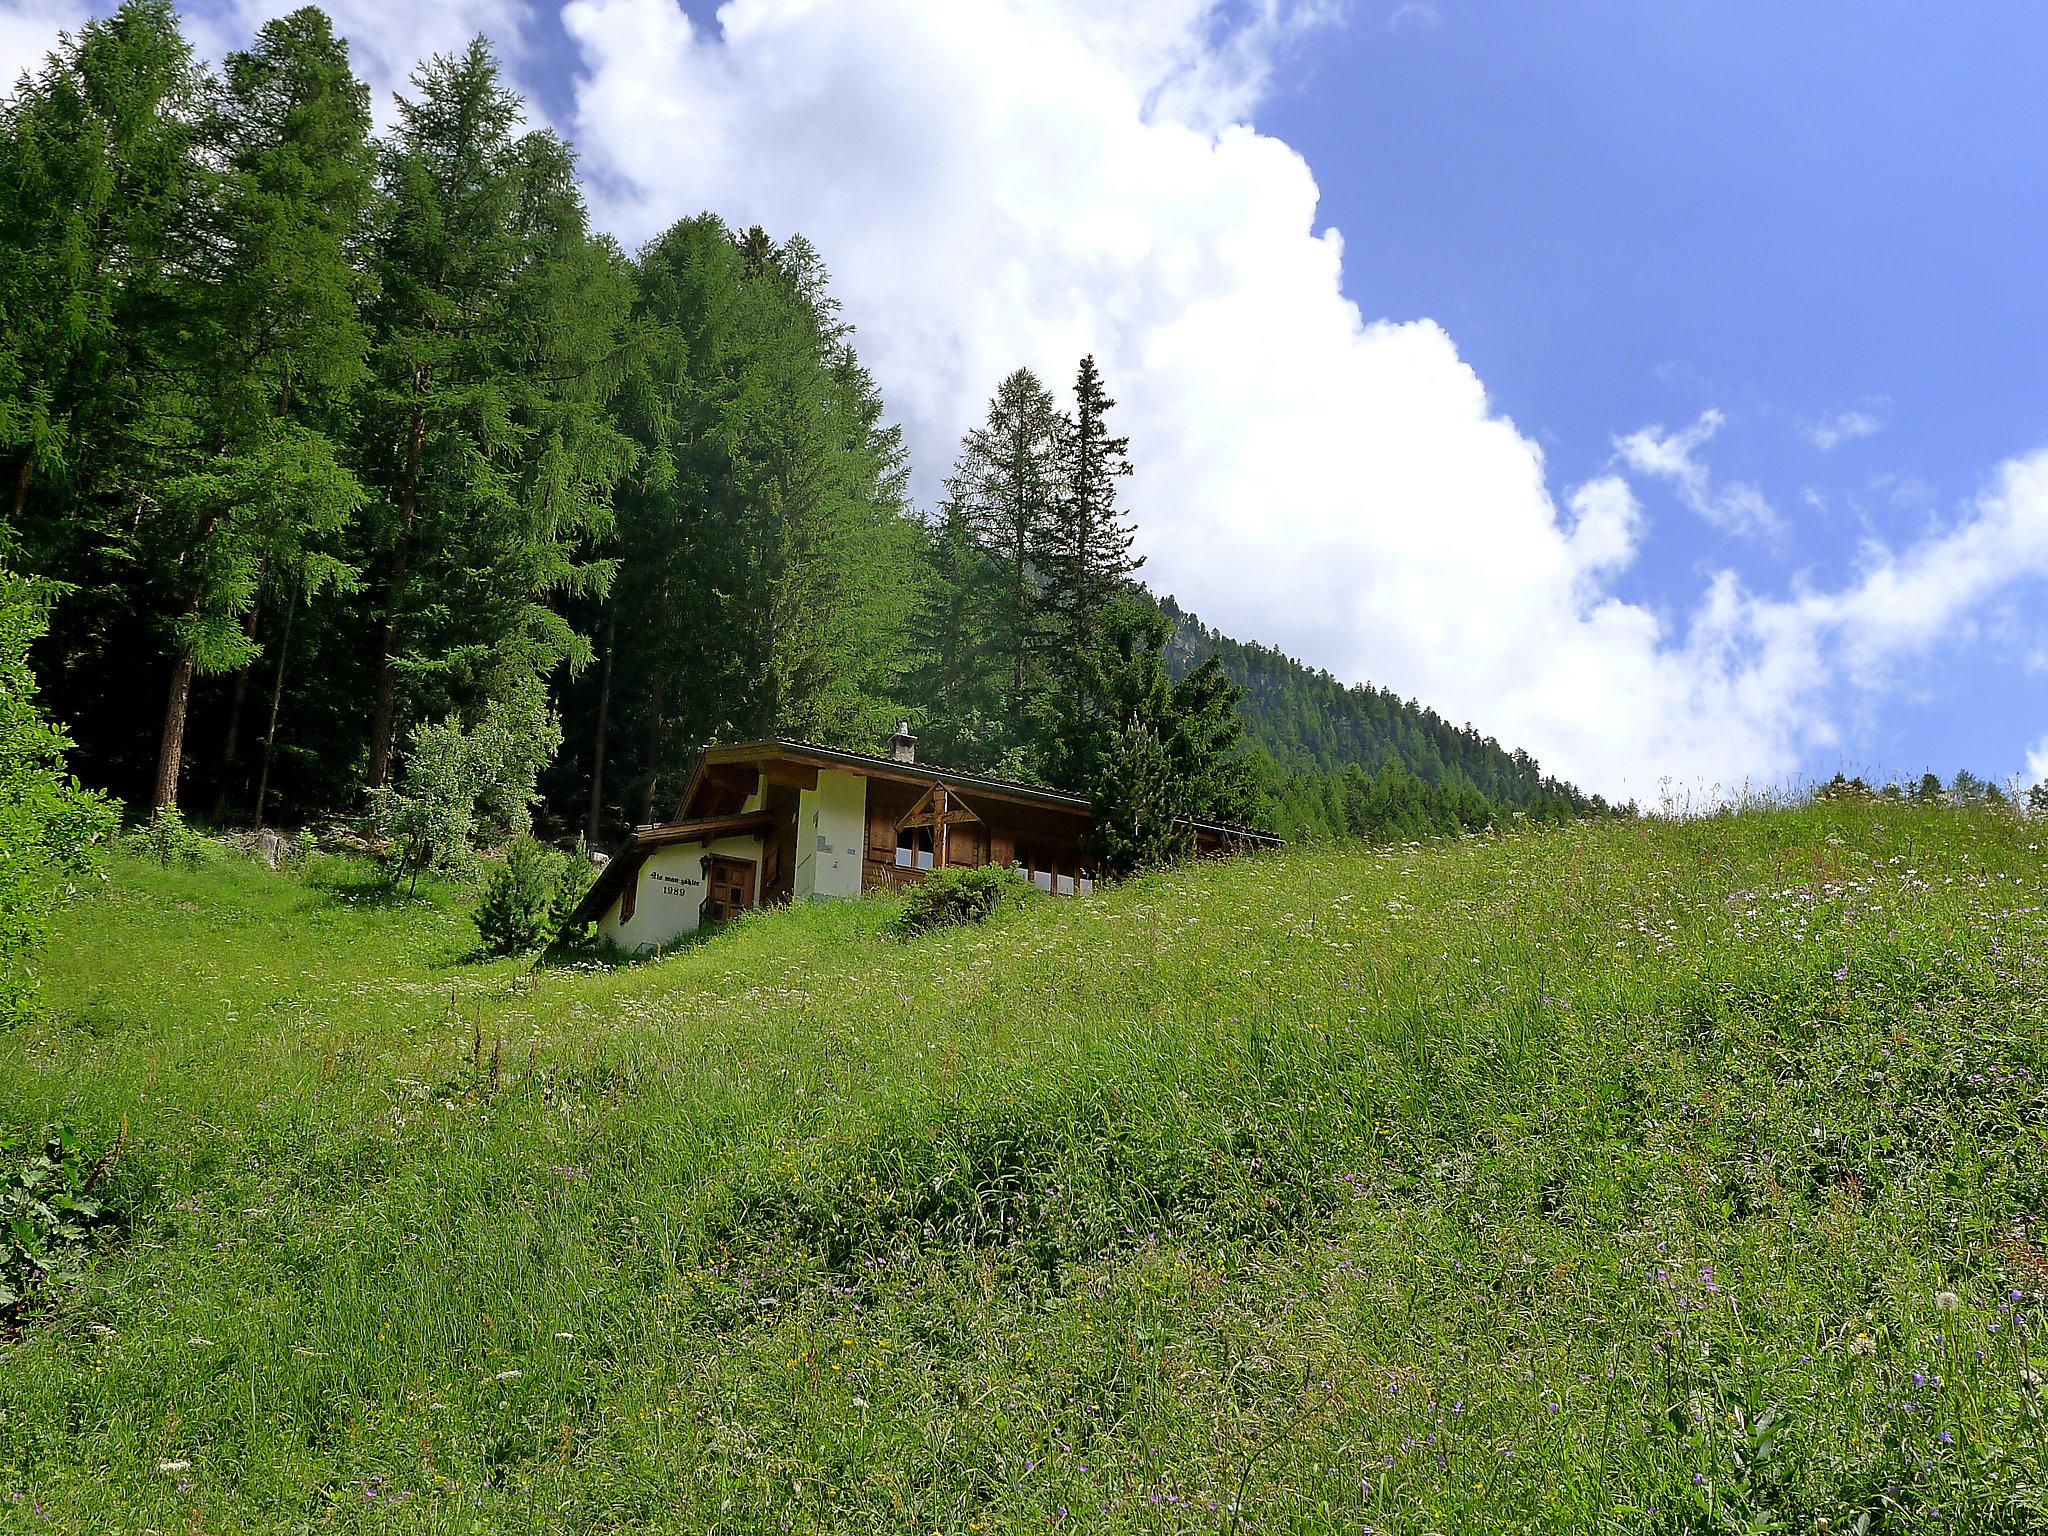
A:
x: 769, y: 822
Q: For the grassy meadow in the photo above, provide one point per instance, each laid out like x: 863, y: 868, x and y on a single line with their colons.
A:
x: 1660, y: 1177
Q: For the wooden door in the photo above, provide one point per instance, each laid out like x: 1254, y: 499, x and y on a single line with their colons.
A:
x: 730, y: 888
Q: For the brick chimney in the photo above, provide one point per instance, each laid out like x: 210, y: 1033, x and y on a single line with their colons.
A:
x: 903, y: 745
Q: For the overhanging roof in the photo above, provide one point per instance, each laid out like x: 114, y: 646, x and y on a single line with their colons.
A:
x: 871, y: 766
x: 790, y: 749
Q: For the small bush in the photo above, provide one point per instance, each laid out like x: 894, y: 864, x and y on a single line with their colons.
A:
x: 47, y: 1215
x: 168, y: 840
x: 526, y: 897
x: 948, y: 898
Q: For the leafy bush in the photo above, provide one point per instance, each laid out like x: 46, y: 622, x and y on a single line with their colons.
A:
x: 47, y: 1215
x: 166, y: 839
x: 527, y: 896
x: 50, y: 827
x: 948, y: 898
x: 458, y: 784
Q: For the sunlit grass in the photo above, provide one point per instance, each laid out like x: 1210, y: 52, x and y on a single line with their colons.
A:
x: 1656, y: 1177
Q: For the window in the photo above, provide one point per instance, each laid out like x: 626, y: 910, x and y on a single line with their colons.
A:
x: 914, y: 848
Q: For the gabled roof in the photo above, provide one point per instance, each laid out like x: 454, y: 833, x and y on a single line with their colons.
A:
x: 868, y: 765
x: 790, y: 749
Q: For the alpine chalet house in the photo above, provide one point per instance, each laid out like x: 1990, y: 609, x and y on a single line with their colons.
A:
x: 767, y: 822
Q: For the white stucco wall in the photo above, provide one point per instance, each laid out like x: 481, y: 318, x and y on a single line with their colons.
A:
x: 671, y: 894
x: 831, y: 828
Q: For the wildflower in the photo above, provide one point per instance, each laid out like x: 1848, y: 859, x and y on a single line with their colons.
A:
x: 173, y: 1466
x: 1863, y: 1344
x: 1947, y: 1301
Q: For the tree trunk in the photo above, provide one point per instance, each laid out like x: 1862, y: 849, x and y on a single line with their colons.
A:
x: 385, y: 708
x: 604, y: 720
x: 171, y: 750
x: 654, y: 723
x: 284, y: 642
x: 21, y: 489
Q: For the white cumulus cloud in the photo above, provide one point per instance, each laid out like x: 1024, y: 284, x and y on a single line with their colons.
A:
x: 29, y: 29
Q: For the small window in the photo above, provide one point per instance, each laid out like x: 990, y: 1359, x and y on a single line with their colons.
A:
x: 1064, y: 884
x: 1043, y: 880
x: 914, y: 848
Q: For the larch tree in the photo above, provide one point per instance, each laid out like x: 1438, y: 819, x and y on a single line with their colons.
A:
x: 497, y: 335
x: 1007, y: 486
x: 275, y: 349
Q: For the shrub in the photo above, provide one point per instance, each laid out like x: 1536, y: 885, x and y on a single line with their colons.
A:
x: 50, y: 828
x: 527, y: 896
x: 168, y: 840
x: 948, y: 898
x: 47, y: 1215
x: 456, y: 783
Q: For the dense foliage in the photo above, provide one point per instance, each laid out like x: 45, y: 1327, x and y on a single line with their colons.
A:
x: 1644, y: 1177
x: 343, y: 441
x: 1354, y: 760
x: 50, y: 827
x: 49, y: 1212
x: 951, y: 898
x: 527, y: 896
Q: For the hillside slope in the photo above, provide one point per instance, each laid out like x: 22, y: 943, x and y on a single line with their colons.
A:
x: 1619, y: 1177
x: 1315, y: 728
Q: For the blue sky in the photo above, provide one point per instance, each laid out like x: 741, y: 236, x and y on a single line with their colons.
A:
x: 1655, y: 385
x: 1631, y: 213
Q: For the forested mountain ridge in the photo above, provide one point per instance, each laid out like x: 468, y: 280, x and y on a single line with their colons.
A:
x: 1327, y: 739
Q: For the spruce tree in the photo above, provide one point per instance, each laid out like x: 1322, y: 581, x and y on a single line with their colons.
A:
x: 1088, y: 559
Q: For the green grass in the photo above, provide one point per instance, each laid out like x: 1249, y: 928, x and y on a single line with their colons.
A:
x: 1660, y: 1177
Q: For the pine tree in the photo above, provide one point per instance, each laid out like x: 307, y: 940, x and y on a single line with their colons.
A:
x: 833, y: 554
x: 951, y: 679
x: 1088, y: 559
x: 1129, y: 716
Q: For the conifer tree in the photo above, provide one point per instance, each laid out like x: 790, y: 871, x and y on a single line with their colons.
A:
x: 97, y: 170
x: 1088, y: 558
x: 275, y: 347
x: 1006, y: 486
x: 496, y: 334
x: 950, y: 681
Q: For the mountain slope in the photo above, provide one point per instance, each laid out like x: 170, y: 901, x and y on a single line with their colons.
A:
x: 1315, y: 728
x: 1629, y: 1176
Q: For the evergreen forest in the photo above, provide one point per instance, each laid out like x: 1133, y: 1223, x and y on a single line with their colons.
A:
x: 329, y: 451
